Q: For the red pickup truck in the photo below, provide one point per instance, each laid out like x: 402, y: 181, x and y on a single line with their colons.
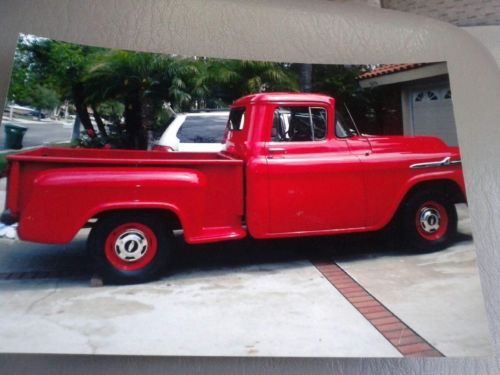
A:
x: 291, y: 168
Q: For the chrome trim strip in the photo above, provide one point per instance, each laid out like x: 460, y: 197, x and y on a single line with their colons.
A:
x: 433, y: 164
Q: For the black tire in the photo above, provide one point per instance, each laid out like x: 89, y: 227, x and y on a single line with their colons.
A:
x: 429, y: 221
x: 130, y: 248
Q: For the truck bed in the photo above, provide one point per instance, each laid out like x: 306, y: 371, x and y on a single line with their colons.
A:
x: 56, y: 186
x: 119, y: 157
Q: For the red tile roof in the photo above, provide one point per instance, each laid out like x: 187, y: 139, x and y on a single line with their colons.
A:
x: 388, y: 69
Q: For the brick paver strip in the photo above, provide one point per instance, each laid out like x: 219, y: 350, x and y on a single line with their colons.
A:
x: 399, y: 334
x: 37, y: 275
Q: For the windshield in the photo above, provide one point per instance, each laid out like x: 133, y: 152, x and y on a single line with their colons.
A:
x: 202, y: 129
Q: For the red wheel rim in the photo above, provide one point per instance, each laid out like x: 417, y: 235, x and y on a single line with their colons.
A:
x: 431, y: 220
x: 131, y: 246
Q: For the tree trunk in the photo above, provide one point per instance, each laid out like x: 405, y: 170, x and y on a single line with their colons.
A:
x: 100, y: 124
x: 135, y: 135
x: 305, y: 77
x: 81, y: 110
x: 147, y: 115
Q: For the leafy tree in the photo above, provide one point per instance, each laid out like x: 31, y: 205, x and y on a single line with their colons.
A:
x: 60, y: 66
x: 44, y: 98
x: 20, y: 85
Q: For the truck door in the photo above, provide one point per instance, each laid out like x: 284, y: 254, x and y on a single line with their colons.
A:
x: 315, y: 181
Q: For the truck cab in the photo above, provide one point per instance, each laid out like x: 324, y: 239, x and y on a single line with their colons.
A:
x: 308, y: 173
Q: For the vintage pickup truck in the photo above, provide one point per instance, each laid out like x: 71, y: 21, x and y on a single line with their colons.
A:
x: 291, y: 168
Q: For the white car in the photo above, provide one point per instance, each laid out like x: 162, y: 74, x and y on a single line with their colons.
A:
x: 195, y: 132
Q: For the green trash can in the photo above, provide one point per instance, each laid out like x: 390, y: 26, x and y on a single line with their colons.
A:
x: 14, y: 136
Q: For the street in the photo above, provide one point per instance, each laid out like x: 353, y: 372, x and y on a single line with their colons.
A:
x: 39, y: 133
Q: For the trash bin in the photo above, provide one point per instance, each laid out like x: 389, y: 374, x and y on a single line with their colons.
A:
x: 14, y: 136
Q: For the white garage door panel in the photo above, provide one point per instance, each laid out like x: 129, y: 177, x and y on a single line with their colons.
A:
x: 432, y: 111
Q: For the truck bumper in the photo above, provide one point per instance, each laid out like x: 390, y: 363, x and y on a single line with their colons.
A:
x: 8, y: 217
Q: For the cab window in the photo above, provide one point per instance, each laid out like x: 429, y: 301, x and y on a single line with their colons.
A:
x: 236, y: 119
x: 299, y: 124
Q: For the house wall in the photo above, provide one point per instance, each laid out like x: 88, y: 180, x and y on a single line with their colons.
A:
x: 434, y: 118
x: 457, y: 12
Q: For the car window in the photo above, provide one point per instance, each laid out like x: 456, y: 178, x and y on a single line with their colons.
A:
x: 202, y: 129
x: 299, y: 124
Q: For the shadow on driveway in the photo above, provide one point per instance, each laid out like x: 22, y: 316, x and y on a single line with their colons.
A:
x: 23, y: 260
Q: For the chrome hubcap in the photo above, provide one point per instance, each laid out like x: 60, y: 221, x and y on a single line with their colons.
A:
x: 131, y: 245
x: 429, y: 219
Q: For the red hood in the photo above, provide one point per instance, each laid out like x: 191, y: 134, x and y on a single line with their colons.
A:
x: 405, y: 144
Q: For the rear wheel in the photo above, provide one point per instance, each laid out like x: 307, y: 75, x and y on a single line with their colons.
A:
x: 129, y: 248
x: 429, y: 221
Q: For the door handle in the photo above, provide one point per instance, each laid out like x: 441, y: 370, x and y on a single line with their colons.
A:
x: 277, y: 150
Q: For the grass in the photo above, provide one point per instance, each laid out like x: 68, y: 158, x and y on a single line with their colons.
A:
x: 3, y: 162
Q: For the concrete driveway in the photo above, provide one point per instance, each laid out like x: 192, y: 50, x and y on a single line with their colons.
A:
x: 314, y: 297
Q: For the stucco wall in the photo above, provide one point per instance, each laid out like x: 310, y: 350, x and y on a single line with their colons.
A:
x: 457, y: 12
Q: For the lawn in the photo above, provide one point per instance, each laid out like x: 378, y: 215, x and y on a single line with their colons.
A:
x: 3, y: 161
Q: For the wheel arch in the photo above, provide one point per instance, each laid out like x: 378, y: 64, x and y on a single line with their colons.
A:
x: 171, y: 215
x: 449, y: 188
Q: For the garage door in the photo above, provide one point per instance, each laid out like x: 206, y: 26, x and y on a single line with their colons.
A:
x: 432, y: 114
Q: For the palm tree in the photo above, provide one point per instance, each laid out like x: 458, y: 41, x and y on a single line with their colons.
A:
x: 232, y: 79
x: 143, y: 82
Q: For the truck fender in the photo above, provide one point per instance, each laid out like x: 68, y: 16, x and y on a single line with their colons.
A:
x: 63, y: 200
x: 448, y: 176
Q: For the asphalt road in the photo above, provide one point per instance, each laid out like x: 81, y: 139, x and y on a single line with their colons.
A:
x: 39, y: 132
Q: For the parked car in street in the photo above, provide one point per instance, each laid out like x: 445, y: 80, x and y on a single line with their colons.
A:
x: 195, y: 132
x: 290, y: 168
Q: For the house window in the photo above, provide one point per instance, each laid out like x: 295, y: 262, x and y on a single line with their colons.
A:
x: 419, y: 97
x: 432, y: 95
x: 299, y: 124
x: 425, y: 96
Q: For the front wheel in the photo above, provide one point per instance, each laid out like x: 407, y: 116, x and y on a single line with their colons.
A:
x: 429, y: 221
x: 129, y: 248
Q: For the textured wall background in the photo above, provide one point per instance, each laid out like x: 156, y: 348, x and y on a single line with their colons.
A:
x: 457, y: 12
x: 314, y: 31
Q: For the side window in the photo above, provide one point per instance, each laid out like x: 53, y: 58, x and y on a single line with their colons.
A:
x: 236, y: 119
x: 343, y: 128
x: 299, y: 124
